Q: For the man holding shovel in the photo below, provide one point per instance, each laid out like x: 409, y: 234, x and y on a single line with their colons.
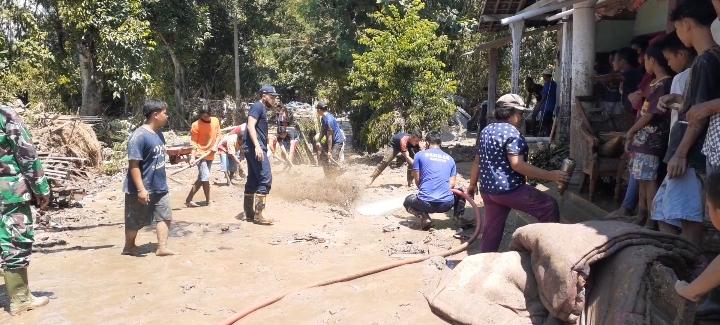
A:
x: 330, y: 131
x: 204, y: 135
x: 259, y: 178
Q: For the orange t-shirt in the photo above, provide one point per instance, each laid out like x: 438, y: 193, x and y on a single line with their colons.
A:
x: 204, y: 137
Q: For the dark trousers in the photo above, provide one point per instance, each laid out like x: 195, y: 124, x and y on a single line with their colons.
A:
x: 413, y: 202
x: 390, y: 155
x: 259, y: 177
x: 526, y: 199
x: 330, y: 168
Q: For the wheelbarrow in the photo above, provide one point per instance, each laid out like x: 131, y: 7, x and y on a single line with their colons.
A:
x: 179, y: 153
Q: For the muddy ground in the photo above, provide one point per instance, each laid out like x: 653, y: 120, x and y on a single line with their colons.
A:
x: 226, y: 264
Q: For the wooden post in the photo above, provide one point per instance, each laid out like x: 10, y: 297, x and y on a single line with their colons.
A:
x: 516, y: 29
x: 492, y: 81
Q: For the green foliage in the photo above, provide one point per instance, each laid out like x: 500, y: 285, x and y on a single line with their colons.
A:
x: 400, y: 73
x: 23, y: 53
x: 119, y: 34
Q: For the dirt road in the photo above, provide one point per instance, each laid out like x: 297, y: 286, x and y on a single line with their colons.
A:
x: 226, y: 264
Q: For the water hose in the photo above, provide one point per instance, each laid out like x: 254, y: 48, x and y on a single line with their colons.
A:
x: 479, y: 223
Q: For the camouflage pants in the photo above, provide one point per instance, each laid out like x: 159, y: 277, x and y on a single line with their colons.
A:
x: 16, y: 235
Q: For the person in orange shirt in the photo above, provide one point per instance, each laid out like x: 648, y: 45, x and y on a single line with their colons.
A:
x: 204, y: 135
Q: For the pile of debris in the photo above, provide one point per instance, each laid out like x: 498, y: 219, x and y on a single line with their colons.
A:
x: 70, y: 151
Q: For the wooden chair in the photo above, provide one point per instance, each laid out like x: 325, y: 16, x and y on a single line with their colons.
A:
x: 594, y: 165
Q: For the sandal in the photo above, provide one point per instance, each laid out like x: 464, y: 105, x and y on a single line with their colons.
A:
x: 191, y: 204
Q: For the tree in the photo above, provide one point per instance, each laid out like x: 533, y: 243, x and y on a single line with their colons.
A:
x: 182, y: 26
x: 400, y: 74
x: 111, y: 40
x: 23, y: 51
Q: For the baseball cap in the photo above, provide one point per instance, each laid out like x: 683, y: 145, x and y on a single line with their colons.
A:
x: 548, y: 72
x: 512, y: 101
x: 321, y: 105
x: 268, y: 90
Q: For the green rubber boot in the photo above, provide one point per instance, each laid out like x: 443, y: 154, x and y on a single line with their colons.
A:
x: 21, y: 300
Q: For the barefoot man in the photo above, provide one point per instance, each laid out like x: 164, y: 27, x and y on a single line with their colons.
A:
x: 146, y: 191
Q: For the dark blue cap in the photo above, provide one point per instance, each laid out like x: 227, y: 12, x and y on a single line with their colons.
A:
x: 268, y: 90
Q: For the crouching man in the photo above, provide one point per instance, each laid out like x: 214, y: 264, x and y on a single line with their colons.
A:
x: 434, y: 173
x: 501, y: 168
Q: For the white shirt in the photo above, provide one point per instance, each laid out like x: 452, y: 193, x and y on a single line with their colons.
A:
x: 678, y: 86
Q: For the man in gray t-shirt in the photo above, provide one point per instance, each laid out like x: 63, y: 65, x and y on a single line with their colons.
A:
x: 146, y: 191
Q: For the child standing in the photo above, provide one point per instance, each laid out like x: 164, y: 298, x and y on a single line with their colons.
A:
x: 678, y: 206
x: 710, y: 277
x: 647, y: 139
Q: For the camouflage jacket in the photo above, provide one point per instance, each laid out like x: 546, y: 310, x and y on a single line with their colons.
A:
x: 20, y: 167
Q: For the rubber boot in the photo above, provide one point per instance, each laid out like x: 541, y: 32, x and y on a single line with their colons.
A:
x: 259, y: 207
x: 21, y: 300
x: 249, y: 207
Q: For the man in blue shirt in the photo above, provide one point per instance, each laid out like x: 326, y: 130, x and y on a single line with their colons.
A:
x: 259, y: 178
x: 501, y: 168
x: 146, y: 191
x: 331, y: 132
x: 434, y: 173
x: 547, y: 106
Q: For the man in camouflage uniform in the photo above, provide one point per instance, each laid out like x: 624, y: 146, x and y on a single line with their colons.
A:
x: 22, y: 180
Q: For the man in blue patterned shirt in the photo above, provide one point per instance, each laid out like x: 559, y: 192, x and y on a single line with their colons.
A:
x: 501, y: 168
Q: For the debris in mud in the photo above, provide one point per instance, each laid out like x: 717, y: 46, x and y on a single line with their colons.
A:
x: 390, y: 228
x: 186, y: 288
x: 315, y: 239
x: 341, y: 212
x: 406, y: 248
x: 47, y: 243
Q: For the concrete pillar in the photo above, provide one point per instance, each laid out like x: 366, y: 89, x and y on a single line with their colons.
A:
x: 583, y: 61
x: 492, y: 81
x: 516, y: 30
x: 565, y: 100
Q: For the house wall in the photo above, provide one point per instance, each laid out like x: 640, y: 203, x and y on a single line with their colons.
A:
x: 652, y: 17
x: 613, y: 34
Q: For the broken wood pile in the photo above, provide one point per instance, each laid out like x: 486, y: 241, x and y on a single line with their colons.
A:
x: 87, y: 119
x: 65, y: 173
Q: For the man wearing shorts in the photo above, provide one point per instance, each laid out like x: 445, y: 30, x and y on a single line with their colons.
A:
x: 146, y: 191
x: 204, y: 135
x: 228, y: 149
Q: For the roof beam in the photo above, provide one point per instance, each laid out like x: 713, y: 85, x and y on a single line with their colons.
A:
x: 525, y: 14
x: 508, y: 39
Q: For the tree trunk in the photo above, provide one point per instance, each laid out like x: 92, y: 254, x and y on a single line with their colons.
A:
x: 92, y: 84
x: 236, y: 43
x: 178, y: 82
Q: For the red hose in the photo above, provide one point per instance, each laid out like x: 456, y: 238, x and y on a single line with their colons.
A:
x: 479, y: 223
